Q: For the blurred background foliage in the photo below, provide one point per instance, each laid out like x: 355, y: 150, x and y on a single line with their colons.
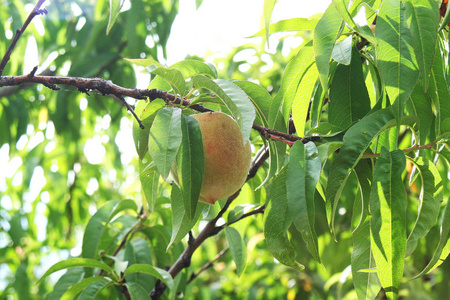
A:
x: 64, y: 154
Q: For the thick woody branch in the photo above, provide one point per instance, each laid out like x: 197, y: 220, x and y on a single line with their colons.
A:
x: 106, y: 87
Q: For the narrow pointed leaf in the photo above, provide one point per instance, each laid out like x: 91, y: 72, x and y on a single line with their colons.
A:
x: 98, y: 224
x: 191, y: 67
x: 181, y: 223
x: 237, y: 248
x: 422, y: 17
x: 149, y: 177
x: 342, y: 51
x: 294, y: 73
x: 146, y: 111
x: 364, y: 31
x: 165, y: 139
x: 161, y: 274
x: 137, y: 291
x: 268, y: 9
x: 174, y: 77
x: 260, y: 98
x: 302, y: 176
x: 438, y: 90
x: 114, y: 10
x: 388, y: 223
x: 91, y: 291
x: 191, y: 164
x: 233, y: 98
x: 366, y: 284
x: 302, y: 99
x: 77, y: 288
x: 325, y: 35
x: 420, y: 106
x: 294, y: 24
x: 77, y: 262
x: 356, y: 140
x: 277, y: 222
x: 443, y: 248
x: 431, y: 196
x: 349, y: 99
x: 395, y: 53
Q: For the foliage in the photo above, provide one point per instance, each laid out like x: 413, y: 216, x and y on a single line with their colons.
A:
x: 350, y: 137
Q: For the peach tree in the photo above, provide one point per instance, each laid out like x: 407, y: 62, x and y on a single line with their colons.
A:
x: 346, y: 195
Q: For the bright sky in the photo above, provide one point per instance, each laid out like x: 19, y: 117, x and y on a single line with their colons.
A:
x: 217, y: 26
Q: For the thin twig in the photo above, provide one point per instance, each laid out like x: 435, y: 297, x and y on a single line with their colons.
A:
x: 36, y: 11
x: 208, y: 265
x: 412, y: 148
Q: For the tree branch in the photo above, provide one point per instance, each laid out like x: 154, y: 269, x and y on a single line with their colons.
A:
x: 208, y: 265
x: 36, y: 11
x: 105, y: 87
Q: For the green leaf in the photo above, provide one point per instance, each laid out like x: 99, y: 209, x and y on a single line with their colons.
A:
x: 302, y: 99
x: 138, y: 252
x: 438, y: 90
x: 237, y: 248
x: 181, y: 223
x: 174, y: 77
x: 431, y: 196
x: 191, y: 164
x: 366, y: 284
x: 420, y: 106
x: 161, y: 274
x: 293, y: 24
x: 302, y: 177
x: 165, y: 139
x: 233, y: 98
x: 395, y: 54
x: 114, y: 10
x: 342, y: 51
x: 144, y: 62
x: 349, y: 99
x: 388, y: 223
x: 277, y: 222
x: 326, y: 33
x: 146, y: 111
x: 149, y: 177
x: 356, y: 140
x: 364, y: 31
x: 82, y: 285
x: 97, y: 225
x: 77, y: 262
x: 91, y: 291
x: 443, y: 248
x: 71, y: 277
x: 422, y: 17
x: 260, y: 98
x: 293, y: 74
x: 268, y: 9
x: 137, y: 291
x: 191, y: 67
